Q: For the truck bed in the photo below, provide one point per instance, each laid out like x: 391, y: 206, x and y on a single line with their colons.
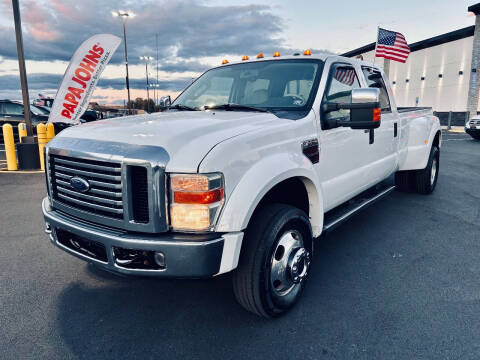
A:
x: 413, y: 108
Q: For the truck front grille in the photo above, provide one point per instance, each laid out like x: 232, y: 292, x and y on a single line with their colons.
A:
x: 104, y: 195
x: 475, y: 122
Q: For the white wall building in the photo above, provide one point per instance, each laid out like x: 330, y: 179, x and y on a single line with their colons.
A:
x: 439, y: 71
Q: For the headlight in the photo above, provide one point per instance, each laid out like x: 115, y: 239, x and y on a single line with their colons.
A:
x: 195, y: 201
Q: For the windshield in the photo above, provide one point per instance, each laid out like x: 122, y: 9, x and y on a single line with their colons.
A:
x: 273, y: 85
x: 38, y: 111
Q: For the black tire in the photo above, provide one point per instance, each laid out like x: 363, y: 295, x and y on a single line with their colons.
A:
x: 423, y: 178
x: 403, y: 181
x: 252, y: 283
x: 476, y: 137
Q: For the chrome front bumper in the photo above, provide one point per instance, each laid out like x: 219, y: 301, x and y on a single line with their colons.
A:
x: 185, y: 255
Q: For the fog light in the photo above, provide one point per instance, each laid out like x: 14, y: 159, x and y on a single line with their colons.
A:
x: 160, y: 259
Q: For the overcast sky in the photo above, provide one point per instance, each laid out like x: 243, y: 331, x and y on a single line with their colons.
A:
x: 194, y: 35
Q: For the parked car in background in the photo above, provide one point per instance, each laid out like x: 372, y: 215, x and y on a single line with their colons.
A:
x: 12, y: 112
x: 472, y: 127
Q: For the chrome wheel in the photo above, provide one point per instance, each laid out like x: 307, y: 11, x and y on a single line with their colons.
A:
x: 289, y: 264
x: 433, y: 171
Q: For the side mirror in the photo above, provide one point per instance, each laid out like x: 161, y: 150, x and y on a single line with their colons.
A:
x: 365, y: 112
x: 165, y: 102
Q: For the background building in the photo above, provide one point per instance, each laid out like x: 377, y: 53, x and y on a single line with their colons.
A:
x: 441, y: 72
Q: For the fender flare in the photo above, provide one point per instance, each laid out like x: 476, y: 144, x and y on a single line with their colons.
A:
x: 262, y: 177
x: 418, y: 152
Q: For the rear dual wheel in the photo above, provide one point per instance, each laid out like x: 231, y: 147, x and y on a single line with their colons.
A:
x: 421, y: 181
x: 275, y: 260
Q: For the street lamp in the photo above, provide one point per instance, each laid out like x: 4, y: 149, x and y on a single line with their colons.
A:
x: 124, y: 15
x: 155, y: 92
x: 147, y: 59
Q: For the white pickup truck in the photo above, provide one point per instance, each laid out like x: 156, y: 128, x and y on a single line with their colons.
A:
x: 251, y: 163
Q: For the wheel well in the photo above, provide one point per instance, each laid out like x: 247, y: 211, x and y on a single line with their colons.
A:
x: 436, y: 140
x: 299, y: 192
x: 291, y: 192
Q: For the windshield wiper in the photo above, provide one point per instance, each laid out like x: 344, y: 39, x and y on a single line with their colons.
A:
x: 183, y: 107
x: 232, y: 106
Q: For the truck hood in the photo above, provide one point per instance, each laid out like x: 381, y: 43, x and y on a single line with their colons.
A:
x: 187, y: 136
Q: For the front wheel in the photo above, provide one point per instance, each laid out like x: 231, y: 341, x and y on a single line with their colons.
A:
x: 275, y: 260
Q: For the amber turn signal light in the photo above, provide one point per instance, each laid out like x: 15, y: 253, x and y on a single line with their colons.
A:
x: 207, y: 197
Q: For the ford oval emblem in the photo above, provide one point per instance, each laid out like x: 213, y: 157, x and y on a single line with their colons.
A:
x: 79, y: 184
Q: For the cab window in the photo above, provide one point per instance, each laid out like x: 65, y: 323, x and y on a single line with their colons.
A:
x: 342, y: 80
x: 374, y: 80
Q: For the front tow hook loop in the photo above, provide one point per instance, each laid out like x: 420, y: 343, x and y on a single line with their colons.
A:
x: 48, y: 228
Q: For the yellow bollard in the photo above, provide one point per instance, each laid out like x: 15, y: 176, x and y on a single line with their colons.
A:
x: 42, y: 140
x: 50, y: 131
x: 9, y: 147
x: 22, y: 131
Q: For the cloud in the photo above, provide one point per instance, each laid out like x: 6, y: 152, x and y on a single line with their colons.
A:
x: 182, y: 66
x: 37, y: 22
x: 43, y: 82
x: 186, y: 29
x: 119, y: 83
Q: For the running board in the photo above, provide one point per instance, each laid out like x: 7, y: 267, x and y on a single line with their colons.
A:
x: 337, y: 216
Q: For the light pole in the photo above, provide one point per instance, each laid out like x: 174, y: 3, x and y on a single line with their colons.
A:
x: 147, y: 59
x: 21, y: 65
x: 124, y: 15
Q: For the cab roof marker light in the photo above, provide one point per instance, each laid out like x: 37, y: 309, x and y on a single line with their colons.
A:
x: 224, y: 61
x: 276, y: 54
x: 260, y: 56
x: 307, y: 52
x: 245, y: 57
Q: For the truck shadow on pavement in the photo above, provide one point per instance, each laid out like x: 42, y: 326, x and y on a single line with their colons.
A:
x: 112, y: 315
x: 119, y: 313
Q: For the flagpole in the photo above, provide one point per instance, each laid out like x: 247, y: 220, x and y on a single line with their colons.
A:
x: 376, y: 43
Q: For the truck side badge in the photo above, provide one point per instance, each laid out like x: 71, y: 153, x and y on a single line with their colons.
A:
x: 311, y: 150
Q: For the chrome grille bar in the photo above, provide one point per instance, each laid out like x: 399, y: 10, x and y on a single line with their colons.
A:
x: 93, y: 190
x: 89, y: 197
x: 88, y: 173
x: 92, y: 182
x: 88, y: 166
x: 88, y: 204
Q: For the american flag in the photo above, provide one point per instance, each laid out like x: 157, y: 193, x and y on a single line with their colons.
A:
x: 392, y: 45
x: 345, y: 75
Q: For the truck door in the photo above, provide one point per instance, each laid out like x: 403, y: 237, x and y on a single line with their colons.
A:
x: 345, y: 154
x: 386, y: 136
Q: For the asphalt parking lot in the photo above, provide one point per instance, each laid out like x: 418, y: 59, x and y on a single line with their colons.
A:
x: 398, y: 281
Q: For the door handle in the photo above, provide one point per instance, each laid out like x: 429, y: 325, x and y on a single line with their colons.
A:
x: 7, y: 116
x: 395, y: 129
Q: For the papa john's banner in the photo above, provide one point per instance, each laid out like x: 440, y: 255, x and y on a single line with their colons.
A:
x: 81, y: 77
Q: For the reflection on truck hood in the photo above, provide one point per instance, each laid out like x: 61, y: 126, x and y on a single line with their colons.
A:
x: 187, y: 136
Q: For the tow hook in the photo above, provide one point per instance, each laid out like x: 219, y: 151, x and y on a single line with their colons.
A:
x: 48, y: 228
